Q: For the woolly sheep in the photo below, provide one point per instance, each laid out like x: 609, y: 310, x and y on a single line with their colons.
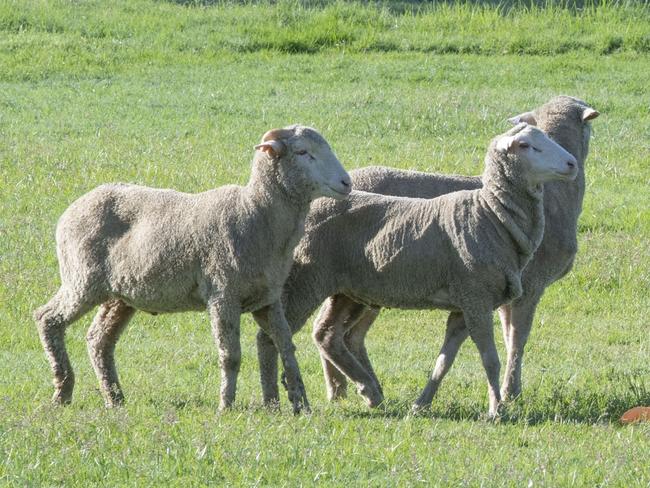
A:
x: 567, y: 121
x: 463, y: 252
x: 127, y: 248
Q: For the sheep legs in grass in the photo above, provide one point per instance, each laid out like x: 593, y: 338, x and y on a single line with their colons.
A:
x: 455, y: 335
x: 52, y: 319
x: 267, y: 356
x: 111, y: 319
x: 224, y: 318
x: 329, y: 335
x: 272, y: 320
x: 517, y: 321
x: 357, y: 319
x: 482, y: 333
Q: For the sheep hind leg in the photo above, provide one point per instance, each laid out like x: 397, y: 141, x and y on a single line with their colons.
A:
x: 52, y: 319
x: 110, y: 321
x: 355, y: 342
x: 267, y: 356
x: 329, y: 337
x: 336, y: 382
x: 455, y: 335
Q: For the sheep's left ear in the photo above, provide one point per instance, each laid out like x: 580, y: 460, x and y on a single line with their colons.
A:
x: 272, y: 148
x: 505, y: 144
x: 589, y: 114
x: 527, y: 117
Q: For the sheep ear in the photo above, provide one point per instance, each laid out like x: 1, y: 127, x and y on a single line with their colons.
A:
x: 272, y: 148
x: 505, y: 144
x: 527, y: 117
x: 589, y: 114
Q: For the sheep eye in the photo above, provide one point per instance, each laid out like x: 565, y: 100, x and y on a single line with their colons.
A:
x: 301, y: 153
x: 523, y: 145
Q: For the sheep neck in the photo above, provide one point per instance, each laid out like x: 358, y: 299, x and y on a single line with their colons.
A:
x: 517, y: 206
x: 284, y: 211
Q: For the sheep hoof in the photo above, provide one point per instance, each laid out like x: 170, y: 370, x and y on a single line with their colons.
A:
x: 418, y: 409
x: 510, y: 396
x: 272, y: 404
x: 225, y: 407
x: 337, y: 395
x: 300, y: 402
x: 373, y: 398
x: 301, y: 409
x: 60, y: 399
x: 114, y: 402
x: 497, y: 414
x: 63, y: 395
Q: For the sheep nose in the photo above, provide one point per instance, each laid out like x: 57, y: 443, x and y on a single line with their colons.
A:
x: 571, y: 164
x: 345, y: 183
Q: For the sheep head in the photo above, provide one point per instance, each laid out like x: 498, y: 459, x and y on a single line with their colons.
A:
x: 566, y: 120
x: 304, y: 159
x: 536, y: 156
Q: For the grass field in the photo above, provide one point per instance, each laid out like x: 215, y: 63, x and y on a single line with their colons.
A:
x: 175, y: 94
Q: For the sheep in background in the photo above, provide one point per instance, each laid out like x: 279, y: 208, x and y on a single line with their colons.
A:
x: 567, y: 121
x: 462, y: 251
x: 127, y: 248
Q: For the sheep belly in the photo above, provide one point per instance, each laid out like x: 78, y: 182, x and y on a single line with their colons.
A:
x: 439, y: 299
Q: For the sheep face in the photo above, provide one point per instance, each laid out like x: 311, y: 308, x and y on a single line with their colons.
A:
x: 537, y: 156
x: 305, y: 155
x: 566, y: 120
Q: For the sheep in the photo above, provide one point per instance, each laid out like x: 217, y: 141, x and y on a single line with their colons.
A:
x: 567, y: 121
x: 228, y: 250
x: 462, y: 251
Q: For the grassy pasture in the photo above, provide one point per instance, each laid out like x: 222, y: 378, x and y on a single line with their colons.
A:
x: 175, y: 94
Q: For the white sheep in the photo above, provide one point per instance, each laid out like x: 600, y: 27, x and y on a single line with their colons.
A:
x: 127, y: 248
x: 567, y: 121
x: 463, y: 252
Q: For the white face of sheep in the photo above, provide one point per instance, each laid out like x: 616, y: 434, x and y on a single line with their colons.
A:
x: 309, y: 154
x: 544, y: 159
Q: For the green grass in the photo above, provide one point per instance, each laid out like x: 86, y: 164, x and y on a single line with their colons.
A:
x: 174, y: 95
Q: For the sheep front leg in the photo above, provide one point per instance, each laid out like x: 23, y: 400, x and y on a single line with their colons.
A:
x: 455, y: 335
x: 520, y: 324
x: 481, y: 331
x: 224, y: 318
x: 273, y: 321
x: 267, y: 356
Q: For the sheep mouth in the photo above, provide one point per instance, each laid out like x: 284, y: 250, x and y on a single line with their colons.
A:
x: 567, y: 175
x: 341, y: 193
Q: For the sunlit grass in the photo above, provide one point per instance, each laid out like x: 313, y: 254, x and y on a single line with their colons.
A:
x: 170, y: 95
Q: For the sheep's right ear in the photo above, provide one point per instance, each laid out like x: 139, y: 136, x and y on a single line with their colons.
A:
x: 589, y: 114
x: 505, y: 144
x: 272, y: 148
x: 527, y: 117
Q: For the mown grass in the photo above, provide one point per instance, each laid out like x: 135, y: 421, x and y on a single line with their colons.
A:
x: 174, y: 95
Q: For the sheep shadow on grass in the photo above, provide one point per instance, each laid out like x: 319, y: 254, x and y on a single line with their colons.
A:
x: 560, y: 405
